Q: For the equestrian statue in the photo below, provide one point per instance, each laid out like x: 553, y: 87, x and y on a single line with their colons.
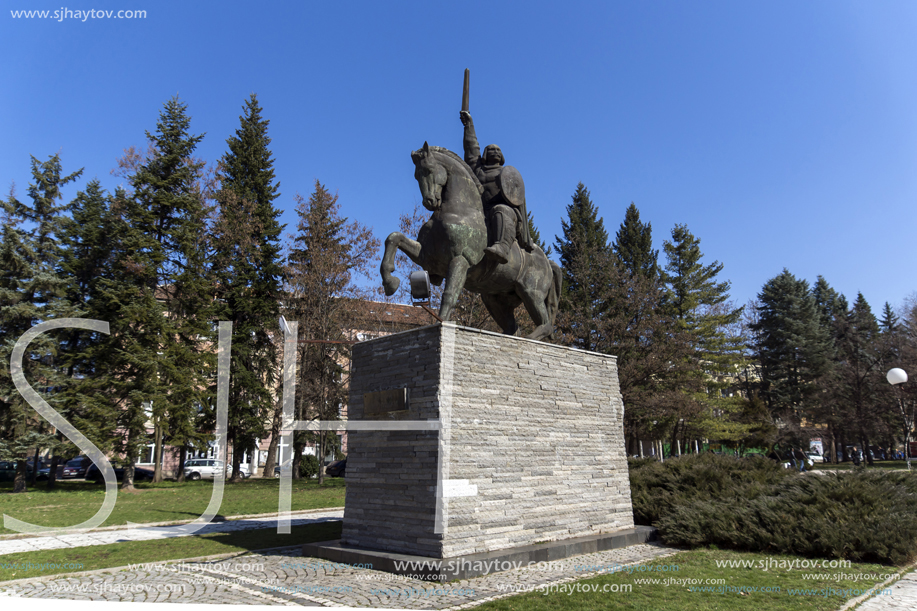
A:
x: 477, y: 237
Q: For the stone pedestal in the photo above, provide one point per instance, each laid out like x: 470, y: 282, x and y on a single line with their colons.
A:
x: 530, y: 447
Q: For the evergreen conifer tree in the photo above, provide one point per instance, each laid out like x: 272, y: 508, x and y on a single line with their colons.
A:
x: 860, y: 378
x: 697, y: 300
x: 250, y: 280
x: 32, y: 291
x: 701, y: 308
x: 327, y: 252
x: 792, y: 348
x: 890, y: 321
x: 831, y: 307
x: 164, y: 252
x: 87, y: 259
x: 634, y: 245
x: 584, y: 241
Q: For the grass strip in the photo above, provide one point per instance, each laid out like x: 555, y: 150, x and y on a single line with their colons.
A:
x: 74, y: 502
x: 737, y: 587
x: 15, y: 566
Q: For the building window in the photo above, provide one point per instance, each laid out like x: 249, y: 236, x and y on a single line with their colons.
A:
x: 146, y: 455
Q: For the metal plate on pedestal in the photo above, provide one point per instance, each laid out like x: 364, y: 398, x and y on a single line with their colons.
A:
x: 386, y: 403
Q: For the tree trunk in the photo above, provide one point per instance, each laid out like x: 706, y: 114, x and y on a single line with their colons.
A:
x: 52, y: 473
x: 182, y: 456
x: 298, y: 445
x: 157, y: 456
x: 321, y: 458
x: 21, y: 479
x: 271, y: 461
x: 35, y: 466
x: 867, y: 454
x: 127, y: 484
x: 236, y: 463
x: 674, y: 438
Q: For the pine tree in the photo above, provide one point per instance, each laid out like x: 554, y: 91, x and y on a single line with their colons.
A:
x: 860, y: 377
x: 87, y: 258
x: 32, y: 291
x: 832, y: 313
x: 890, y: 321
x: 634, y: 245
x: 701, y: 308
x: 166, y: 218
x: 697, y: 300
x: 584, y: 240
x: 607, y: 309
x: 250, y: 279
x: 328, y: 251
x: 125, y: 363
x: 791, y: 346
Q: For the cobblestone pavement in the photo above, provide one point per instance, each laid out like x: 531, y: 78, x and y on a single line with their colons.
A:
x: 107, y: 537
x: 284, y: 577
x: 903, y: 596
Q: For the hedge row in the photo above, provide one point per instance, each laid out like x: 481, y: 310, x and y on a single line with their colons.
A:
x: 755, y: 505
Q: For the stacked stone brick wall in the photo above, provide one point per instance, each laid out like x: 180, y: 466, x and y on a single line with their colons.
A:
x: 534, y: 430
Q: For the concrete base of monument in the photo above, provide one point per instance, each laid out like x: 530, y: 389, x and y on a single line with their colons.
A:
x: 476, y: 565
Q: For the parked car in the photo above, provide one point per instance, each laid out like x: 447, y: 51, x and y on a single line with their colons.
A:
x: 815, y: 457
x: 76, y: 467
x: 243, y: 468
x: 8, y: 471
x: 202, y: 468
x: 205, y: 468
x: 94, y: 474
x: 336, y: 469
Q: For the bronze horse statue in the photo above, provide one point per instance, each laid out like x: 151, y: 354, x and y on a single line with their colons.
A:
x: 451, y: 246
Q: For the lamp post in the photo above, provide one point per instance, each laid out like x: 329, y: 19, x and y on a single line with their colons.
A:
x: 895, y: 377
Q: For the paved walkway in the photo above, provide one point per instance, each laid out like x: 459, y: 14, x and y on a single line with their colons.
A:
x: 147, y: 533
x: 903, y: 596
x: 285, y: 578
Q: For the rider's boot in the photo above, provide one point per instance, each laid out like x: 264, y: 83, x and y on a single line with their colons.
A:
x: 504, y: 228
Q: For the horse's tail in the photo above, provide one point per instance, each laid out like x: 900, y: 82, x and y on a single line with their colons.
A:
x: 553, y: 298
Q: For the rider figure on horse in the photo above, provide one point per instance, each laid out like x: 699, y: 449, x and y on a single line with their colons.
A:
x: 503, y: 198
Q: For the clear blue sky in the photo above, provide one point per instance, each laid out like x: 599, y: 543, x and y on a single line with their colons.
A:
x: 783, y: 133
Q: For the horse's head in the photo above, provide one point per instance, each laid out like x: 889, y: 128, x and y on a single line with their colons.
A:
x: 431, y: 175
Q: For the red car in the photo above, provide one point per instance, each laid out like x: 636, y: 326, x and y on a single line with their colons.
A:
x: 76, y: 467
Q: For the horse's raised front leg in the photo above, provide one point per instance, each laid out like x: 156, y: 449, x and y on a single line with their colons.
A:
x: 455, y: 282
x: 393, y: 243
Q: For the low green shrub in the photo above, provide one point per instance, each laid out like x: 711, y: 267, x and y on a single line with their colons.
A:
x: 756, y: 505
x: 657, y: 488
x: 308, y: 466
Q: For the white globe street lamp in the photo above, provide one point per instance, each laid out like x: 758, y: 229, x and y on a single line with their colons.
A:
x: 896, y: 376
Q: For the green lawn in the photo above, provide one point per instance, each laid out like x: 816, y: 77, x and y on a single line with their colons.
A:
x: 788, y: 587
x: 132, y: 552
x: 75, y: 502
